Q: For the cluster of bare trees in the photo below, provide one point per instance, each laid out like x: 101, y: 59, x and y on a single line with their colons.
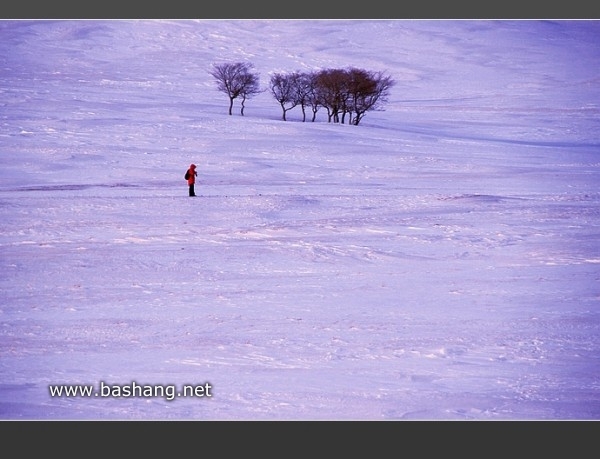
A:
x: 236, y: 80
x: 346, y: 94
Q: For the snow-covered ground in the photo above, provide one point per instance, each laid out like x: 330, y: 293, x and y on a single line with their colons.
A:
x: 440, y: 261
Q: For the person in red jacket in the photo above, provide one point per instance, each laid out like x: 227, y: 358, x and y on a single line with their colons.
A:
x: 191, y: 175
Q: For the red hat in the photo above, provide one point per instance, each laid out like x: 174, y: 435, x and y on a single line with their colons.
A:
x: 192, y: 166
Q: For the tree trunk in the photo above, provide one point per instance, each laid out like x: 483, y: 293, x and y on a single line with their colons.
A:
x: 243, y: 105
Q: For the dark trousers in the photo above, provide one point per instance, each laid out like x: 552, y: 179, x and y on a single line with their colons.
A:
x: 192, y: 192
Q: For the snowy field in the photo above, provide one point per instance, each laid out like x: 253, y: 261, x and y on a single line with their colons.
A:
x: 440, y: 261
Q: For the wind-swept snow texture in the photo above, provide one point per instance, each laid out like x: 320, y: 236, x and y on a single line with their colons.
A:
x: 440, y: 261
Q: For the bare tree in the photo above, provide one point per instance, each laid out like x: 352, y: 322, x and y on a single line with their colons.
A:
x: 312, y: 96
x: 235, y: 80
x: 303, y: 87
x: 331, y: 92
x: 250, y: 89
x: 350, y: 92
x: 367, y: 91
x: 283, y: 89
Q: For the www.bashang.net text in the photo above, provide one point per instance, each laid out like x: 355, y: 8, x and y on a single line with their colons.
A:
x: 167, y: 391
